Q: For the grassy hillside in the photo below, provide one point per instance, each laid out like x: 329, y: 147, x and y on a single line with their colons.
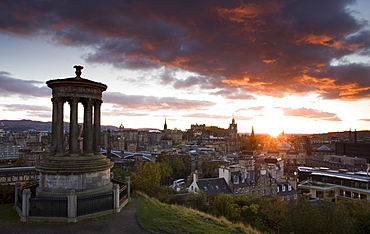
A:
x: 152, y: 216
x: 8, y: 216
x: 156, y: 217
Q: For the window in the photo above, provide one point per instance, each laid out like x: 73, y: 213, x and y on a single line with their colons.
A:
x: 319, y: 194
x: 331, y: 193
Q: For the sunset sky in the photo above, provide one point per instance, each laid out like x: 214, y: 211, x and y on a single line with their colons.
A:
x: 279, y: 65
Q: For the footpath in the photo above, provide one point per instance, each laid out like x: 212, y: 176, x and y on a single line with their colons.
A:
x: 124, y: 222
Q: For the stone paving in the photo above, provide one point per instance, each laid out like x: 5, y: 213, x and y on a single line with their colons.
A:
x: 124, y: 222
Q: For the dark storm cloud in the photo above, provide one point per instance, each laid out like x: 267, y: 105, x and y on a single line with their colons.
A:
x: 10, y: 86
x: 153, y: 103
x: 263, y: 47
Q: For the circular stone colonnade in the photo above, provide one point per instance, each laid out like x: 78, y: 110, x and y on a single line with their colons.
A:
x: 82, y: 169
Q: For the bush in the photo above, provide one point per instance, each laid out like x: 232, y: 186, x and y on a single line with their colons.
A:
x: 7, y: 193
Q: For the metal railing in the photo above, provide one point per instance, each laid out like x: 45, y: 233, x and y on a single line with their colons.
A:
x: 49, y: 206
x: 71, y: 206
x: 19, y: 200
x: 89, y: 204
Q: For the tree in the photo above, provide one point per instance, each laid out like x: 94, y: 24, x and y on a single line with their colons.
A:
x: 222, y: 205
x: 147, y: 178
x: 208, y: 168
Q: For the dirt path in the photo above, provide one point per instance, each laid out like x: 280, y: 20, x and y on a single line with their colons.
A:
x: 124, y: 222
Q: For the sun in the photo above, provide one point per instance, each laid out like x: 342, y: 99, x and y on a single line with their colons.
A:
x: 274, y: 133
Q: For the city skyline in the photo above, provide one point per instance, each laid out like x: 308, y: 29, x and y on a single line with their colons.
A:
x: 297, y: 67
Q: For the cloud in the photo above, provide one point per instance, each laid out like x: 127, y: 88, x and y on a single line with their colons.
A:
x: 206, y: 116
x: 32, y: 111
x: 254, y: 108
x: 123, y: 113
x: 138, y: 102
x: 366, y: 120
x: 210, y: 116
x: 235, y: 94
x: 24, y: 107
x: 257, y: 47
x: 10, y: 86
x: 311, y: 114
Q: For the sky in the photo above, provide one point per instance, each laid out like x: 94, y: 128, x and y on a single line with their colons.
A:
x: 298, y: 66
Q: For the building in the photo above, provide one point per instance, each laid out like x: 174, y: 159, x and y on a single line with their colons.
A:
x: 337, y: 162
x: 12, y: 175
x: 249, y: 183
x: 334, y: 185
x: 211, y: 186
x: 9, y: 152
x: 353, y: 149
x: 227, y: 138
x: 30, y: 158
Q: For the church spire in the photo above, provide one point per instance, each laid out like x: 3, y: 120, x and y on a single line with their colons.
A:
x: 165, y: 124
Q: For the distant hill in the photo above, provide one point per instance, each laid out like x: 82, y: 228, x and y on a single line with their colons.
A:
x: 26, y: 124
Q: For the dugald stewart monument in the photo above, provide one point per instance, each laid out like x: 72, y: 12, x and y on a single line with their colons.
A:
x: 75, y: 168
x: 84, y: 170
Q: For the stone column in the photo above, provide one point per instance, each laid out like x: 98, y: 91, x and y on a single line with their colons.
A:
x: 97, y: 126
x: 128, y: 182
x: 17, y: 188
x: 87, y: 130
x: 54, y: 127
x: 26, y: 194
x: 72, y: 207
x: 116, y: 205
x: 59, y: 127
x: 73, y: 127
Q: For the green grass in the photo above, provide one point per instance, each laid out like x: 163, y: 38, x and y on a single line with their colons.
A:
x: 156, y: 217
x: 8, y: 216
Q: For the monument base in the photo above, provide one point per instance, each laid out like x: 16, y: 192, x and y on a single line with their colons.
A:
x: 83, y: 174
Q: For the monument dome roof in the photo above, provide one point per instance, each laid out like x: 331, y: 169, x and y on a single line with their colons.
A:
x: 283, y: 146
x: 324, y: 148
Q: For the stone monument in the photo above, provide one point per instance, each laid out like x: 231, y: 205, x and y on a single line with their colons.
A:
x: 82, y: 169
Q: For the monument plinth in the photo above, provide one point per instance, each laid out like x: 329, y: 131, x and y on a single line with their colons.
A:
x: 70, y: 167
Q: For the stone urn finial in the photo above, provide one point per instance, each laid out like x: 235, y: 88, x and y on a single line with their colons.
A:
x: 78, y: 70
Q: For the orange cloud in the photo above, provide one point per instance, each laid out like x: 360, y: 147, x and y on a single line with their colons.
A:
x: 258, y: 47
x: 326, y: 41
